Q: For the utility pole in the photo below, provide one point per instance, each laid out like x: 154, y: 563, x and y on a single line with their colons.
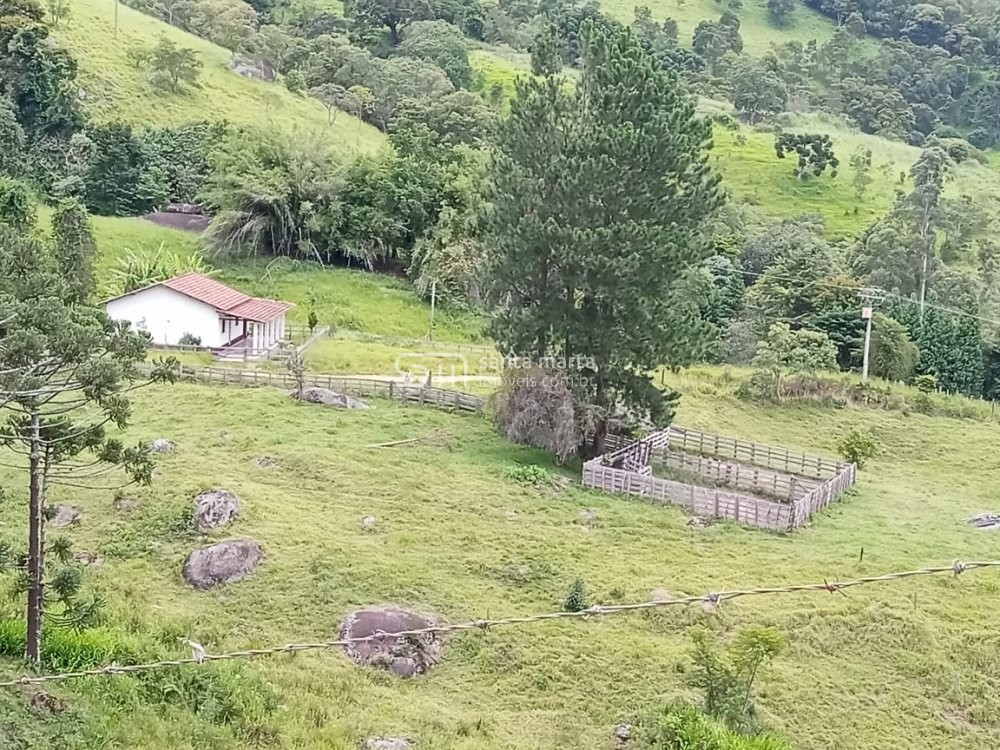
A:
x: 434, y: 286
x: 871, y: 296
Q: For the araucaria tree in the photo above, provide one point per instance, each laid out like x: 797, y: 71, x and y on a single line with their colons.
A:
x: 599, y: 193
x: 815, y: 153
x: 65, y: 372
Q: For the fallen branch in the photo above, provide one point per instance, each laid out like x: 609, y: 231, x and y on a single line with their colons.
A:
x: 408, y: 441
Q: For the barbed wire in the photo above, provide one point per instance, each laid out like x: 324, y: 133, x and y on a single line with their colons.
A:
x: 713, y: 599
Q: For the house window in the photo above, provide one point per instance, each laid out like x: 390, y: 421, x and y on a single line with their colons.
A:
x: 223, y: 324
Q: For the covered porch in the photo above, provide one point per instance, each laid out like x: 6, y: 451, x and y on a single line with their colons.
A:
x: 253, y: 333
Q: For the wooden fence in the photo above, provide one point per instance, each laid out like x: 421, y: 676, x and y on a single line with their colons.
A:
x: 701, y: 501
x: 440, y: 398
x: 720, y: 467
x: 742, y: 451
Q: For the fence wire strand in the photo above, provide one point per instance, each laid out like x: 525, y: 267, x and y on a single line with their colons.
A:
x: 712, y: 598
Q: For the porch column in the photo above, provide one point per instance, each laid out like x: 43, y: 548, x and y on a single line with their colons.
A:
x: 256, y: 336
x: 269, y: 337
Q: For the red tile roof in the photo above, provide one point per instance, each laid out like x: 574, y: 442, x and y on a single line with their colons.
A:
x: 224, y: 299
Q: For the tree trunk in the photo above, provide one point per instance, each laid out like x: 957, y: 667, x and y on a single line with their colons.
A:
x: 33, y: 648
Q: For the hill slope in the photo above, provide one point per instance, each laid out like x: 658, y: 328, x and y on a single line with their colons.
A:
x: 757, y: 32
x: 922, y: 651
x: 116, y: 90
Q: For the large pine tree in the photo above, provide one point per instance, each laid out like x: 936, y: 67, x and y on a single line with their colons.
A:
x: 600, y: 190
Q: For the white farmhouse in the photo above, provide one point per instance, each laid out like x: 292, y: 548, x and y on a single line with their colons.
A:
x: 194, y: 305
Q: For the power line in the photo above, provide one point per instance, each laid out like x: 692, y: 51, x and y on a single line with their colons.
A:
x: 712, y: 599
x: 855, y: 288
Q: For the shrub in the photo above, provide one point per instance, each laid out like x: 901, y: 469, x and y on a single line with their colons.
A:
x: 526, y: 474
x: 576, y: 597
x: 857, y: 447
x: 726, y: 676
x: 684, y: 727
x: 189, y: 339
x: 925, y: 383
x: 535, y: 407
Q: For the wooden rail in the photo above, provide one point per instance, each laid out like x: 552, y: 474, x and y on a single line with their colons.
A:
x: 440, y: 398
x: 759, y: 485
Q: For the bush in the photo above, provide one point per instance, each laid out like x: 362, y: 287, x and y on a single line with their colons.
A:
x: 526, y: 474
x: 857, y: 447
x: 684, y: 727
x: 726, y: 676
x: 982, y: 138
x: 925, y: 383
x: 535, y: 407
x: 576, y: 597
x: 189, y: 339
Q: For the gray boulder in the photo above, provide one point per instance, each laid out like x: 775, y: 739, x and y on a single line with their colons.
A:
x: 329, y: 398
x: 65, y: 515
x: 254, y: 69
x: 405, y: 656
x: 989, y: 521
x: 387, y: 743
x: 162, y: 445
x: 225, y: 562
x: 215, y: 508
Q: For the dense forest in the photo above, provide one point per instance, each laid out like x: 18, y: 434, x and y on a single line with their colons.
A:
x: 922, y: 73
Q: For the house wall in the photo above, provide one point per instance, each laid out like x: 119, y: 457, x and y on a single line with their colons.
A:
x: 167, y: 315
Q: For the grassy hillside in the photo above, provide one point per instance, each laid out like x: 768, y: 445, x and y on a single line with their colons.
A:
x: 751, y: 170
x: 909, y: 664
x: 116, y: 89
x: 757, y: 32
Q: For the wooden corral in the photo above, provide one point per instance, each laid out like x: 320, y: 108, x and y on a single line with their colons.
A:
x: 754, y: 484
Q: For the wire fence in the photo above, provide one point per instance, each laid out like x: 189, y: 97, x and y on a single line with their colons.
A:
x: 713, y: 599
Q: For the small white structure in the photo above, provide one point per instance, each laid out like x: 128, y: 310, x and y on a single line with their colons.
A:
x: 194, y: 305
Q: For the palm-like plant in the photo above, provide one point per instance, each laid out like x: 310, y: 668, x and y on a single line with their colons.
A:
x: 273, y: 192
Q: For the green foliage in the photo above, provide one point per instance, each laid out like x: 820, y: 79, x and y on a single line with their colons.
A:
x: 576, y: 597
x: 12, y: 142
x: 726, y: 676
x: 814, y: 151
x: 861, y: 164
x: 74, y: 247
x: 366, y: 17
x: 271, y: 192
x: 171, y: 67
x: 621, y: 272
x: 713, y: 39
x: 189, y: 339
x: 758, y: 91
x: 893, y: 355
x: 442, y: 44
x: 926, y: 383
x: 460, y: 118
x: 294, y: 82
x: 113, y: 176
x: 138, y: 269
x: 684, y: 727
x: 59, y: 11
x: 780, y: 11
x: 39, y: 77
x: 784, y: 351
x: 950, y: 348
x: 545, y: 58
x: 531, y: 474
x: 177, y: 160
x: 16, y: 207
x: 857, y: 446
